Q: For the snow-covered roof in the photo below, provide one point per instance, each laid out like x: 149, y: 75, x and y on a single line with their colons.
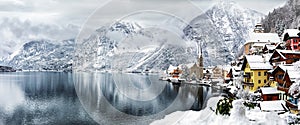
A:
x: 289, y: 51
x: 269, y: 90
x: 172, y: 68
x: 260, y: 66
x: 293, y: 72
x: 287, y: 67
x: 259, y: 44
x: 263, y: 38
x: 258, y: 62
x: 278, y: 105
x: 291, y: 32
x: 267, y: 56
x: 270, y: 47
x: 281, y: 52
x: 255, y: 58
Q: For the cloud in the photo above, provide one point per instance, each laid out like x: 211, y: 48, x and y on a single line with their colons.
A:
x: 14, y: 33
x: 62, y: 12
x: 23, y: 20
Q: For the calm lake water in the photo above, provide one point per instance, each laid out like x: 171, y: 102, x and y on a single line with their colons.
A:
x: 135, y: 98
x: 39, y: 98
x: 101, y: 98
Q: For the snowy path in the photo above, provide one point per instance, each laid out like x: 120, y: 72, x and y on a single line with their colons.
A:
x: 190, y: 117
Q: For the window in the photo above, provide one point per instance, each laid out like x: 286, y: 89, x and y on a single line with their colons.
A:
x: 265, y: 73
x: 265, y: 81
x: 258, y: 73
x: 279, y: 76
x: 247, y: 80
x: 259, y: 81
x: 295, y: 46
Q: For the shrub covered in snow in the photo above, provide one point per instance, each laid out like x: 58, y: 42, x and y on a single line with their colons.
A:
x: 295, y: 89
x: 223, y: 106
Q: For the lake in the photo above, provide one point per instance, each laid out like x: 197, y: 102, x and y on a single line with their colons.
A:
x: 91, y: 98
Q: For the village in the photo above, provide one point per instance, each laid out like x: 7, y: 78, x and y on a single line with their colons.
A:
x: 266, y: 76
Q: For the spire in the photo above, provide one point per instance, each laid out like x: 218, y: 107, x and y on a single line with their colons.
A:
x: 199, y: 47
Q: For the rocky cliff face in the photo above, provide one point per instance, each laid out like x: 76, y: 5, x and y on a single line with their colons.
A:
x: 223, y: 30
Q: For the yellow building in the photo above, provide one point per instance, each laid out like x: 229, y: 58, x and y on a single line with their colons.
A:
x: 255, y: 69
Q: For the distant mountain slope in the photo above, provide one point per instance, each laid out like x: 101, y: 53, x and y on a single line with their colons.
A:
x: 223, y: 29
x: 43, y: 55
x: 286, y: 17
x: 139, y: 49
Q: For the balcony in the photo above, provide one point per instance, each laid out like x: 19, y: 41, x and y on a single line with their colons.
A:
x: 271, y: 78
x: 247, y: 75
x: 251, y: 84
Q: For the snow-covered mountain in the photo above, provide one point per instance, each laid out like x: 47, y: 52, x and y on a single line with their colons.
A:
x: 286, y: 17
x: 43, y: 55
x: 127, y: 46
x: 223, y: 30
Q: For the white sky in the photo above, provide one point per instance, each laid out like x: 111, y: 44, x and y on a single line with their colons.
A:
x: 263, y: 6
x: 77, y: 11
x: 25, y: 20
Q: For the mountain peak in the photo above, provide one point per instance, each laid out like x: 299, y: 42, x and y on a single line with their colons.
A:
x: 226, y: 4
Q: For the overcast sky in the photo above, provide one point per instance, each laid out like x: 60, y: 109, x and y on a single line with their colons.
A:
x: 25, y: 20
x: 76, y: 11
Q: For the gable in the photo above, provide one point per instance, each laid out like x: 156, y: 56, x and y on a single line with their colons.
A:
x: 277, y: 56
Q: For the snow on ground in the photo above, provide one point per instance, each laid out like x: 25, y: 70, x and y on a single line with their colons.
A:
x: 239, y: 116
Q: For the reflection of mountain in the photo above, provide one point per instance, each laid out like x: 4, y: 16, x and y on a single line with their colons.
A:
x: 40, y: 98
x: 114, y: 95
x: 223, y: 29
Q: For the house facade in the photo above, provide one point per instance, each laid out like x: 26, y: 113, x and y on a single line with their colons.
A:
x: 292, y: 39
x: 257, y: 41
x: 284, y: 76
x: 196, y: 69
x: 255, y: 72
x: 258, y: 28
x: 284, y: 57
x: 269, y: 93
x: 271, y: 48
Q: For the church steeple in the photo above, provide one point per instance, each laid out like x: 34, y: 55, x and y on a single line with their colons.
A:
x: 200, y: 58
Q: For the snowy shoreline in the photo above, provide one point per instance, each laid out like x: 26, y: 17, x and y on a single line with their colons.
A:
x: 239, y: 115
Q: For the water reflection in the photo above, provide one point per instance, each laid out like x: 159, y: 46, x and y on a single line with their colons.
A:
x: 40, y: 98
x: 135, y: 98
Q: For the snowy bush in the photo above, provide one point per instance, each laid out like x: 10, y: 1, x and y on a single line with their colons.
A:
x: 239, y: 108
x: 243, y: 94
x: 223, y: 106
x: 295, y: 89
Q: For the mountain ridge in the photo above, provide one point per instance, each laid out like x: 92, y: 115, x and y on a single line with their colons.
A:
x: 225, y: 26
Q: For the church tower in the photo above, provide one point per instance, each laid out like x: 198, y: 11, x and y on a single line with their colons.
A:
x: 200, y: 60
